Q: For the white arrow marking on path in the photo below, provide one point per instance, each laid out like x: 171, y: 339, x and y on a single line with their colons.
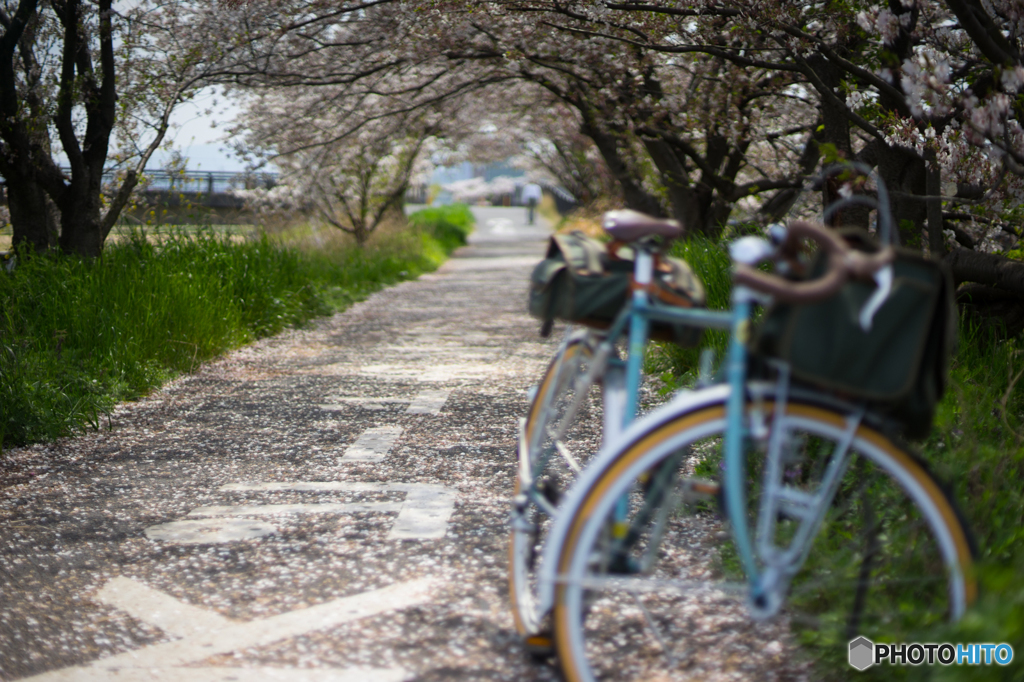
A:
x: 423, y: 516
x: 373, y: 444
x: 501, y: 226
x: 207, y: 531
x: 212, y: 640
x: 162, y: 610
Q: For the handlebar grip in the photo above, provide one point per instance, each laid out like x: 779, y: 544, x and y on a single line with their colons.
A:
x: 864, y: 265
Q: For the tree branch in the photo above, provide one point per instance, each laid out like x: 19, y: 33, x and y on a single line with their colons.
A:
x: 986, y: 268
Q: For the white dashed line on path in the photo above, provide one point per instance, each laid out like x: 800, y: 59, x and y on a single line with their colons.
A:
x: 281, y: 509
x: 373, y: 445
x: 429, y: 402
x: 145, y: 663
x: 502, y: 226
x: 338, y: 404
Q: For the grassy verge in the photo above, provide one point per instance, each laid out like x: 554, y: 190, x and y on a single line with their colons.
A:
x: 977, y: 447
x: 76, y: 337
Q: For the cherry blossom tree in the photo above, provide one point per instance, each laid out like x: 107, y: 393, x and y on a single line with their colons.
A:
x: 676, y: 132
x: 923, y: 91
x: 92, y: 85
x: 708, y: 109
x: 351, y: 183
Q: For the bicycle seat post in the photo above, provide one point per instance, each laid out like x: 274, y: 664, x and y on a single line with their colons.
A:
x: 643, y: 271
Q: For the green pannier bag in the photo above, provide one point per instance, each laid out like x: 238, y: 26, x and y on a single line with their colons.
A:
x: 898, y: 366
x: 580, y: 281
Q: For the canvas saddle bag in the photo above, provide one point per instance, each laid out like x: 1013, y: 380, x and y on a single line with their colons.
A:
x: 898, y: 365
x: 587, y: 282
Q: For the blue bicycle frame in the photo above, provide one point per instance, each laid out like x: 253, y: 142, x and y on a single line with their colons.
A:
x: 638, y: 315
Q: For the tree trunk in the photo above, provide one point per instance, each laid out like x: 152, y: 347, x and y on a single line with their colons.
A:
x: 636, y: 197
x: 81, y: 224
x: 988, y: 269
x: 1000, y: 311
x: 685, y: 207
x: 776, y: 208
x: 904, y: 174
x: 80, y: 235
x: 33, y: 215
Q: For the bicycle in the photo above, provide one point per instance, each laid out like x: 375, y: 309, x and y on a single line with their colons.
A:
x: 853, y: 535
x: 585, y: 358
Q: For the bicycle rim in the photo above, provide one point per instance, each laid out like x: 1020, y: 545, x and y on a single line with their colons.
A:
x: 891, y: 555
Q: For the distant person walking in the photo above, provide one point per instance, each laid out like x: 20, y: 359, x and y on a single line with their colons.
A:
x: 531, y: 197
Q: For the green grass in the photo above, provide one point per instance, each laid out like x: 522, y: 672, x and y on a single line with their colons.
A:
x: 449, y: 225
x: 76, y: 336
x: 977, y: 447
x: 679, y: 366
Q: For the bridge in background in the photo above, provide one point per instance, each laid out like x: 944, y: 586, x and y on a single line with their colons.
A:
x: 206, y: 183
x: 193, y: 196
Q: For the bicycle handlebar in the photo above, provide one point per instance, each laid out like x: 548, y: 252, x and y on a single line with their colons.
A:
x: 843, y: 263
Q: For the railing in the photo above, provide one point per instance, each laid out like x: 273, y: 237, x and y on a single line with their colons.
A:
x: 203, y: 182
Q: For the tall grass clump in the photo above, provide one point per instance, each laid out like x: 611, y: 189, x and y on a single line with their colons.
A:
x: 78, y: 336
x: 710, y: 262
x: 449, y: 225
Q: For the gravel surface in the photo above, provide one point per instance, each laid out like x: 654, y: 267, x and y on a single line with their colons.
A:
x: 390, y: 430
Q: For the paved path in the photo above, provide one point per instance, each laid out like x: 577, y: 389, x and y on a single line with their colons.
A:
x: 326, y: 505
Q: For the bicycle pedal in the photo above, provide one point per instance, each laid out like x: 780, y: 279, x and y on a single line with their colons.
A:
x: 541, y: 645
x: 701, y: 489
x: 623, y: 564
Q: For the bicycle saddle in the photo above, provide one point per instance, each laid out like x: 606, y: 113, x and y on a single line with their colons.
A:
x: 627, y: 226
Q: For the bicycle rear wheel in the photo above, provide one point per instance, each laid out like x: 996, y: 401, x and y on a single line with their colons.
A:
x: 647, y: 596
x: 562, y: 431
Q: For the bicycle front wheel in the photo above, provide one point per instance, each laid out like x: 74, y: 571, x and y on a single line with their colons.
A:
x: 644, y: 587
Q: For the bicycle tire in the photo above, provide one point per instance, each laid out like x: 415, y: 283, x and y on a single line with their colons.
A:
x: 607, y: 626
x: 548, y: 407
